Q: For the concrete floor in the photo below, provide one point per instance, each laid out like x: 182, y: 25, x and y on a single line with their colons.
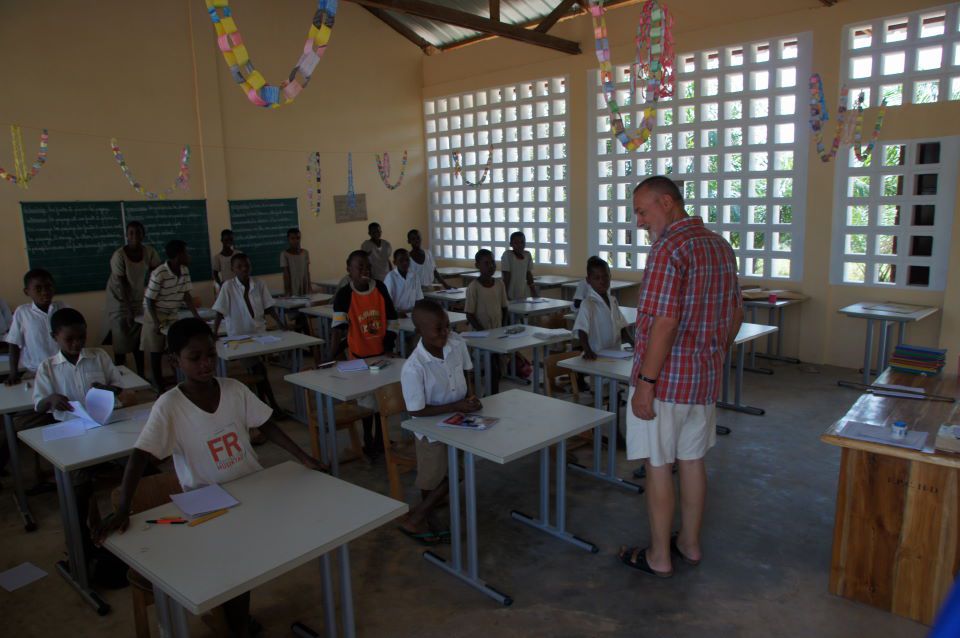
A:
x: 767, y: 550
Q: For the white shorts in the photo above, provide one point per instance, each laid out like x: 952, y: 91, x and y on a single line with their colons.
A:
x: 678, y: 431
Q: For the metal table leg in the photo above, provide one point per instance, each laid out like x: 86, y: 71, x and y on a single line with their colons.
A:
x: 884, y: 346
x: 331, y: 421
x: 299, y: 398
x: 901, y: 328
x: 75, y: 571
x: 772, y: 354
x: 29, y: 524
x: 163, y: 612
x: 403, y: 344
x: 329, y: 606
x: 221, y: 368
x: 868, y: 353
x: 471, y: 575
x: 753, y: 348
x: 488, y: 368
x: 346, y: 594
x: 737, y: 404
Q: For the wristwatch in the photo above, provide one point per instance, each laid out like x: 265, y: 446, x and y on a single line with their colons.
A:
x: 647, y: 379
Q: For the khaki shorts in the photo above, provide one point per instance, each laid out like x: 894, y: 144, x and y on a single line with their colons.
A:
x: 150, y: 341
x: 431, y: 464
x: 678, y: 431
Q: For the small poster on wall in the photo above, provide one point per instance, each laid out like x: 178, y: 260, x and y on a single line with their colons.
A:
x: 345, y: 213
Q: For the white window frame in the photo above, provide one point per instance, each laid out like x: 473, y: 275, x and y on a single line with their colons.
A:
x: 908, y: 51
x: 944, y: 202
x: 528, y: 185
x: 698, y: 199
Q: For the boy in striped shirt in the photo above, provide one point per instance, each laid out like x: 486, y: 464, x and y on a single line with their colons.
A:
x: 169, y: 289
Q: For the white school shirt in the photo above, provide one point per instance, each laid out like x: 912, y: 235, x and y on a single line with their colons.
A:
x: 30, y: 331
x: 583, y: 288
x: 6, y: 317
x: 57, y: 375
x: 207, y: 448
x: 602, y: 324
x: 404, y: 291
x: 427, y: 380
x: 425, y: 270
x: 234, y: 309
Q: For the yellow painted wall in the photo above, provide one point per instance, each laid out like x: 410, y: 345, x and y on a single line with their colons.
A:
x: 815, y: 331
x: 151, y: 75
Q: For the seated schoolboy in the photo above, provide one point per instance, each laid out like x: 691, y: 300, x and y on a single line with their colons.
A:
x: 403, y: 285
x: 244, y: 302
x: 29, y: 334
x: 600, y: 325
x: 486, y: 304
x: 365, y: 325
x: 436, y: 379
x: 168, y: 290
x: 203, y: 423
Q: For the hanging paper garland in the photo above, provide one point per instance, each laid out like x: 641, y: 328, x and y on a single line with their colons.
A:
x: 458, y: 170
x: 183, y: 176
x: 252, y: 82
x: 849, y: 131
x: 21, y: 174
x: 383, y: 167
x: 313, y: 182
x: 654, y: 59
x: 351, y: 193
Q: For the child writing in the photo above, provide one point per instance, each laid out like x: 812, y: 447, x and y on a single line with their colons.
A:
x: 365, y: 321
x: 422, y: 263
x: 517, y: 267
x: 403, y: 285
x: 223, y: 260
x: 486, y: 305
x: 295, y: 262
x: 436, y: 379
x: 29, y: 334
x: 244, y: 303
x: 600, y: 325
x: 379, y: 251
x: 169, y: 288
x: 203, y: 423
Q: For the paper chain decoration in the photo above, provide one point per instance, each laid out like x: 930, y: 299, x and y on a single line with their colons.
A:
x: 313, y: 182
x: 848, y: 131
x: 251, y: 81
x: 21, y: 174
x: 183, y: 176
x: 458, y: 170
x: 351, y: 193
x: 383, y: 167
x: 654, y: 60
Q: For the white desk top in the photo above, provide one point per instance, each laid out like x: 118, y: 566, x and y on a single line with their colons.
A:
x: 496, y: 342
x: 331, y: 282
x: 292, y: 303
x: 889, y: 310
x: 469, y: 276
x: 204, y: 566
x: 5, y: 364
x: 207, y: 314
x: 751, y: 331
x: 615, y: 284
x: 443, y: 296
x: 528, y: 422
x: 618, y: 369
x: 325, y: 312
x: 346, y: 386
x: 544, y: 307
x: 101, y: 444
x: 17, y: 398
x: 629, y: 313
x: 554, y: 280
x: 288, y: 341
x: 763, y: 303
x: 455, y: 271
x: 406, y: 323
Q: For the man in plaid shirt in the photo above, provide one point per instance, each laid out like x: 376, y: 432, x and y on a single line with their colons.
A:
x: 688, y: 314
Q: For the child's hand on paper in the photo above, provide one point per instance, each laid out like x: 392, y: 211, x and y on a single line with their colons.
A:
x: 59, y: 402
x: 116, y: 522
x: 469, y: 404
x: 589, y: 354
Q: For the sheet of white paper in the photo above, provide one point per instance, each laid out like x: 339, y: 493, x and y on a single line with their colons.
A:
x: 21, y: 575
x: 235, y: 338
x: 893, y: 386
x: 80, y: 414
x: 354, y: 365
x: 615, y: 354
x: 99, y: 404
x: 915, y: 439
x: 204, y: 500
x: 535, y: 300
x: 477, y: 334
x: 65, y: 430
x: 267, y: 339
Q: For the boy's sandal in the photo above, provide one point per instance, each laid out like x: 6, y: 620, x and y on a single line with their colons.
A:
x: 676, y: 550
x: 428, y: 539
x: 636, y: 557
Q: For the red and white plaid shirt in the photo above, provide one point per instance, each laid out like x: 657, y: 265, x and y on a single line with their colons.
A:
x: 691, y: 275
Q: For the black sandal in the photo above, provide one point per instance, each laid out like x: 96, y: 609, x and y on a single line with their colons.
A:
x: 428, y: 539
x: 674, y: 548
x: 636, y: 558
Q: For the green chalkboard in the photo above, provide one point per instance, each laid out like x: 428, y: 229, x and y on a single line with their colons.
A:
x: 260, y: 230
x: 176, y: 219
x: 73, y: 240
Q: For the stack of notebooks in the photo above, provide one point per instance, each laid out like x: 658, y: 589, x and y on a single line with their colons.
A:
x: 918, y: 360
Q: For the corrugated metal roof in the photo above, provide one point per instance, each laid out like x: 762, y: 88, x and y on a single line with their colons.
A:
x: 440, y: 34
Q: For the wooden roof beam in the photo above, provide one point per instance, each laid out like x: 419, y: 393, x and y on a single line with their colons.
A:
x: 555, y: 15
x: 404, y: 30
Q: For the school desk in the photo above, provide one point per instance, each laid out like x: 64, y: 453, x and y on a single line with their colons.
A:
x: 194, y: 569
x: 896, y: 536
x: 467, y: 277
x: 407, y: 328
x: 456, y: 271
x: 285, y: 304
x: 520, y: 311
x: 325, y: 316
x: 884, y: 313
x: 748, y: 333
x: 293, y: 342
x: 616, y: 285
x: 545, y: 282
x: 446, y: 298
x: 329, y: 285
x: 498, y: 342
x: 207, y: 314
x: 528, y: 423
x: 98, y: 445
x: 19, y: 398
x: 629, y: 313
x: 774, y: 318
x: 329, y: 384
